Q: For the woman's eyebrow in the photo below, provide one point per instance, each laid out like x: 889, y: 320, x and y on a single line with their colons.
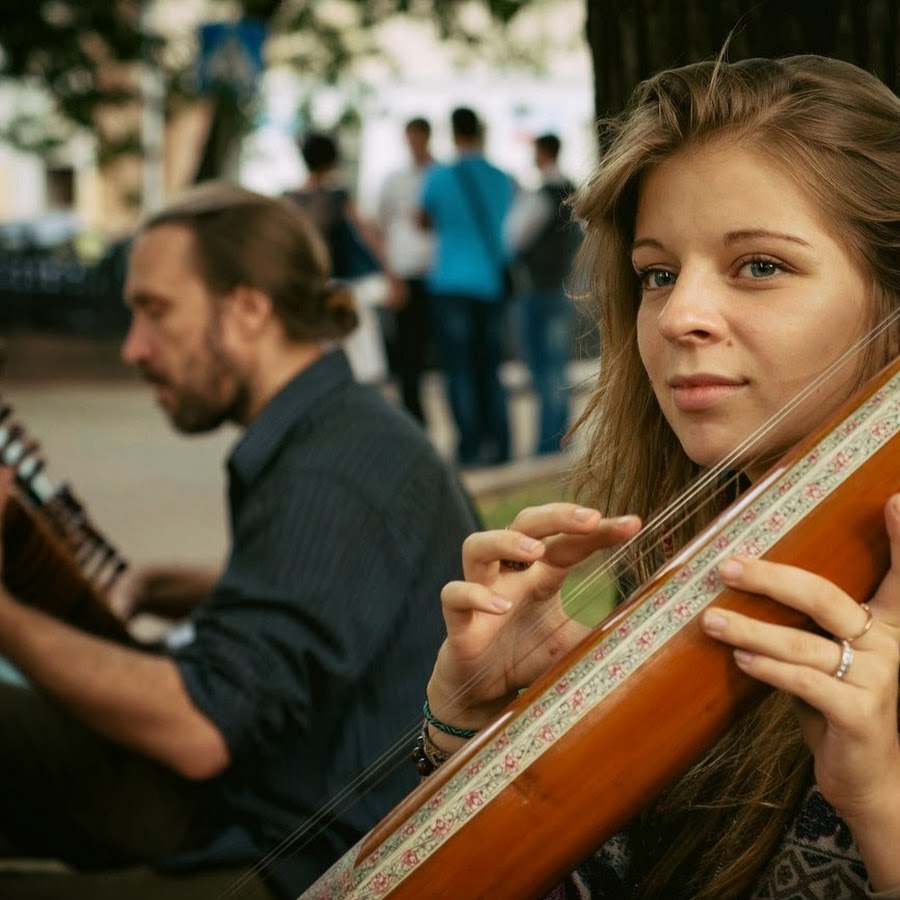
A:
x: 732, y: 237
x: 646, y: 242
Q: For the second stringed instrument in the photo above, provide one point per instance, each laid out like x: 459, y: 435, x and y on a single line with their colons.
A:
x: 629, y: 709
x: 54, y: 558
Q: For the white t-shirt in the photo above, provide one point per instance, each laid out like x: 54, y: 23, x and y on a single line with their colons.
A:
x: 409, y: 247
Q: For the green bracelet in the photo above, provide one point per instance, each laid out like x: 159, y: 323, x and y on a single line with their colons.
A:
x: 452, y: 730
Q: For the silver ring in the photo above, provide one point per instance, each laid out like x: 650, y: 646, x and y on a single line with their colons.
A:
x: 846, y: 660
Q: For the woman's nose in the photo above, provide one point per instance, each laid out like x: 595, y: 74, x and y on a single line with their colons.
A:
x: 693, y: 308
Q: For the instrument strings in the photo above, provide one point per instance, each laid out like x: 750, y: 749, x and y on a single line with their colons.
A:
x: 704, y: 489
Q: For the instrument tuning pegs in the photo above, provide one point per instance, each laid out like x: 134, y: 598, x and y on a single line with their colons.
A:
x: 71, y: 504
x: 98, y: 560
x: 10, y: 445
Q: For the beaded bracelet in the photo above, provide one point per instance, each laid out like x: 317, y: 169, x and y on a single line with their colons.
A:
x: 425, y: 755
x: 452, y: 730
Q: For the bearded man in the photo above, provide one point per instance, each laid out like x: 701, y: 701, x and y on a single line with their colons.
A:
x: 178, y: 770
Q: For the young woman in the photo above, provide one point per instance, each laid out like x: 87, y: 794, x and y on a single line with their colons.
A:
x: 742, y: 233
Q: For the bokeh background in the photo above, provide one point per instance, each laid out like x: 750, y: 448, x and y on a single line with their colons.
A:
x: 110, y: 107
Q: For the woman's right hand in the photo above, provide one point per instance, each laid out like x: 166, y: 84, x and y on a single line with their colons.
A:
x: 506, y: 625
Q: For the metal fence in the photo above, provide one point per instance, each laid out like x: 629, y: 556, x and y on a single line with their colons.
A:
x: 44, y: 292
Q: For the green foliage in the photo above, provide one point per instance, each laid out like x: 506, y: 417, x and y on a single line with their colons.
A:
x: 327, y: 38
x: 65, y: 47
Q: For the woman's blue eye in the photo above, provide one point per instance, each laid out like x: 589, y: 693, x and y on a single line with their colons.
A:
x: 653, y: 279
x: 762, y: 268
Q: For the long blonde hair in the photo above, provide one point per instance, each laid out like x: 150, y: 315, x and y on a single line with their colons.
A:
x: 836, y: 130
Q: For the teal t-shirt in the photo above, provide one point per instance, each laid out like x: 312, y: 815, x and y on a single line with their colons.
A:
x: 467, y: 202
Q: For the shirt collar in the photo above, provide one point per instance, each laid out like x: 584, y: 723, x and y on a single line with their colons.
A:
x: 267, y: 431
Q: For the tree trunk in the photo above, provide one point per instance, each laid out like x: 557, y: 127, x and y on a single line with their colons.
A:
x: 629, y: 40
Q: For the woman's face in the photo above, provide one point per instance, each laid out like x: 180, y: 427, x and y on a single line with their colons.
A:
x: 746, y: 296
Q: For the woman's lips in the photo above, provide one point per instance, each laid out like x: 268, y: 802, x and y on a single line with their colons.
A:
x: 697, y: 393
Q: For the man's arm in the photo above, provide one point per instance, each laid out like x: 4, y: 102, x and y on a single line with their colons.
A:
x: 529, y: 214
x: 171, y: 592
x: 371, y: 235
x: 423, y: 216
x: 132, y: 697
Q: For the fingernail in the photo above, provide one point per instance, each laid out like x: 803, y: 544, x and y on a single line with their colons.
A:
x: 501, y: 604
x: 731, y: 569
x: 582, y: 514
x: 743, y: 657
x: 714, y: 621
x: 528, y: 544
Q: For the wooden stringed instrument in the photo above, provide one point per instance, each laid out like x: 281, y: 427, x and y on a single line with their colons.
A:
x: 54, y: 558
x: 629, y: 709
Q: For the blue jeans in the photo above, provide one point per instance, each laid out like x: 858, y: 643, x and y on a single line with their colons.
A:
x: 546, y: 330
x: 470, y: 336
x: 412, y: 339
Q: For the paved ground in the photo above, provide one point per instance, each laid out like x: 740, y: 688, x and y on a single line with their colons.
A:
x: 160, y: 496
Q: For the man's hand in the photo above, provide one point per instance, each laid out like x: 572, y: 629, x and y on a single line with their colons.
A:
x: 170, y: 592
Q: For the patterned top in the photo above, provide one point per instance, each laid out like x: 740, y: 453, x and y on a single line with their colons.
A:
x: 816, y: 860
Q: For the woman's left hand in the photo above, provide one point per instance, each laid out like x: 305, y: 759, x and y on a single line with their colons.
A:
x: 849, y: 722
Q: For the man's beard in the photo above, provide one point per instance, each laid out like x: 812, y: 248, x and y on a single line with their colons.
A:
x: 218, y: 392
x: 198, y: 413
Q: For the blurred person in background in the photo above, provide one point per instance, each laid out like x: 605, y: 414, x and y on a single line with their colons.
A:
x: 355, y: 251
x: 409, y: 249
x: 465, y: 203
x: 544, y: 239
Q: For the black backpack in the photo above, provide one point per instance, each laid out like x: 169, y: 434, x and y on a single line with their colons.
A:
x: 351, y: 258
x: 548, y: 259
